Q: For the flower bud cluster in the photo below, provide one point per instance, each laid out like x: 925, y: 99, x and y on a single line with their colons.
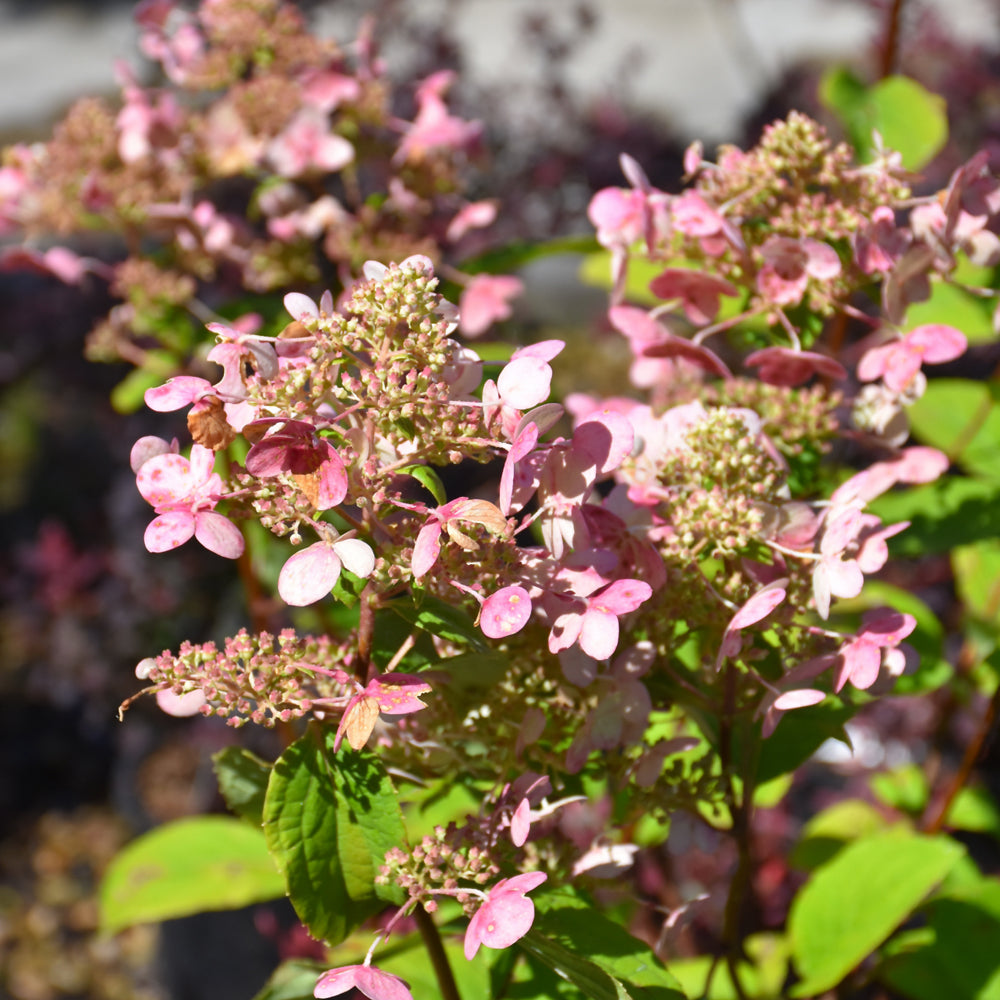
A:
x: 261, y: 678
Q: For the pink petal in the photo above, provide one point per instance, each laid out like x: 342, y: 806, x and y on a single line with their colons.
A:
x: 525, y: 382
x: 606, y: 437
x: 520, y: 823
x: 177, y: 392
x: 426, y: 548
x: 181, y: 706
x: 169, y: 530
x: 379, y: 985
x: 398, y: 694
x: 505, y: 612
x: 622, y: 596
x: 218, y: 534
x: 599, y: 632
x: 938, y: 343
x: 300, y: 307
x: 332, y: 477
x: 861, y: 662
x: 758, y: 607
x: 799, y: 698
x: 357, y: 556
x: 149, y: 447
x: 309, y: 575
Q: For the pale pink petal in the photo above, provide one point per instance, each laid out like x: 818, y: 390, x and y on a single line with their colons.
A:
x: 606, y: 437
x: 426, y: 548
x: 544, y: 350
x: 938, y: 343
x: 149, y: 447
x: 520, y: 823
x: 525, y: 382
x: 177, y: 392
x: 799, y: 698
x: 622, y: 596
x: 356, y: 555
x: 332, y: 477
x: 599, y: 632
x: 218, y: 534
x: 505, y: 612
x: 168, y: 531
x: 758, y: 607
x: 300, y: 307
x: 181, y: 705
x: 309, y: 575
x: 398, y: 694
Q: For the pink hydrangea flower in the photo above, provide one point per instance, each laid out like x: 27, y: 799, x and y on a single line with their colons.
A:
x: 307, y: 145
x: 434, y: 127
x: 899, y: 361
x: 484, y: 301
x: 309, y: 575
x: 861, y: 657
x: 184, y: 494
x: 618, y: 215
x: 366, y: 979
x: 698, y: 292
x: 447, y: 518
x: 389, y: 694
x: 789, y: 264
x: 595, y: 627
x: 506, y: 915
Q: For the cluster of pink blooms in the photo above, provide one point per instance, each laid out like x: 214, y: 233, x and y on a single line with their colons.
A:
x: 630, y: 555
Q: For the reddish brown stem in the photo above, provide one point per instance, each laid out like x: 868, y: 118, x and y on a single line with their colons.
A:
x: 890, y: 50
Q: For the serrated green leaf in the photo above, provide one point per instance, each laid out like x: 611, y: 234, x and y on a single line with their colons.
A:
x: 597, y: 955
x: 242, y: 778
x: 854, y: 902
x: 329, y: 818
x: 193, y: 865
x: 429, y: 479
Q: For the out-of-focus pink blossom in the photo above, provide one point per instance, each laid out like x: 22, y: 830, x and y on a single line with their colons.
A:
x: 881, y: 244
x: 505, y: 916
x: 484, y: 301
x: 474, y: 215
x: 785, y: 366
x: 861, y: 656
x: 434, y: 127
x: 308, y: 146
x: 899, y: 361
x: 697, y: 291
x: 648, y: 338
x: 788, y: 264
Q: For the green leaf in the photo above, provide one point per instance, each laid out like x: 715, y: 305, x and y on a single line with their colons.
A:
x: 193, y: 865
x: 242, y: 778
x: 599, y: 957
x: 976, y: 810
x: 765, y: 977
x: 955, y: 955
x: 429, y: 479
x: 436, y: 617
x: 799, y: 735
x: 503, y: 260
x: 292, y: 980
x: 977, y: 579
x: 910, y: 118
x: 329, y: 818
x: 960, y: 417
x: 824, y: 835
x: 854, y: 902
x: 952, y: 305
x: 953, y: 511
x: 904, y: 788
x: 127, y: 396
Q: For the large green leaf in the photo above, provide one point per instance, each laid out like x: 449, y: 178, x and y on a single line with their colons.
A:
x: 956, y: 955
x: 962, y: 418
x: 242, y: 778
x: 955, y: 510
x: 599, y: 957
x: 193, y: 865
x: 329, y: 818
x: 977, y: 579
x: 854, y: 902
x: 436, y: 617
x: 910, y: 118
x: 840, y: 824
x: 763, y: 977
x: 799, y: 735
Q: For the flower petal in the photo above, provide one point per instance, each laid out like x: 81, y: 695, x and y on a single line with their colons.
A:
x: 309, y: 575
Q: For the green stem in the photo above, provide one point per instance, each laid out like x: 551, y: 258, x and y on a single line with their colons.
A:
x: 439, y: 959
